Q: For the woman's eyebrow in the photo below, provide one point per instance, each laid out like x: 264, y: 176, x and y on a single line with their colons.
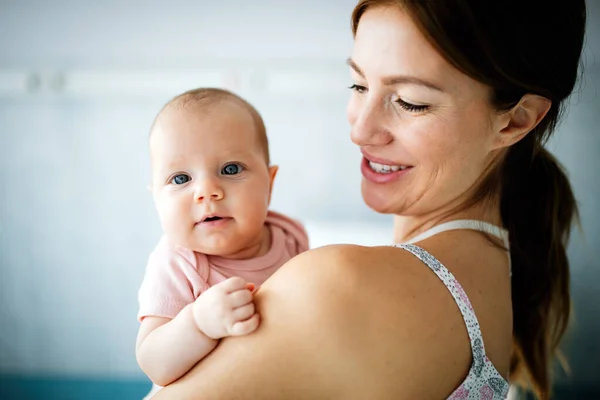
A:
x: 398, y: 79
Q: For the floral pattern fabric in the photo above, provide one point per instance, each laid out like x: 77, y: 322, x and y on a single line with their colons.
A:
x: 483, y: 382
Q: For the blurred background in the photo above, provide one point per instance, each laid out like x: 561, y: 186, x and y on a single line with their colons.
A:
x: 80, y: 83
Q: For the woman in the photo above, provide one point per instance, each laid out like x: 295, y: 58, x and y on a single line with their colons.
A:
x: 451, y: 104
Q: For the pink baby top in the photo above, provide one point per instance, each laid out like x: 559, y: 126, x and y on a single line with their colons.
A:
x: 176, y: 276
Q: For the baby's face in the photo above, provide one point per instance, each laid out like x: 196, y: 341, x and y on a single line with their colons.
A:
x: 210, y: 179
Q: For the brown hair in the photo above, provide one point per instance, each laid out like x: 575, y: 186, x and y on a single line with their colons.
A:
x: 532, y: 47
x: 207, y: 98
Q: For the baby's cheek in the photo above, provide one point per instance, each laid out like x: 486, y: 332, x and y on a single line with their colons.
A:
x: 256, y: 209
x: 173, y: 219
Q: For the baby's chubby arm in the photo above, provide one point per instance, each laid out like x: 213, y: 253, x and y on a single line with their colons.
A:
x: 167, y: 348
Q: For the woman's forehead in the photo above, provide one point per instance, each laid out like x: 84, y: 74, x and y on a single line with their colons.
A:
x: 388, y: 44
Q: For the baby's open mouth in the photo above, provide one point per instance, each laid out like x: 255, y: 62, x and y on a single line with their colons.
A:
x: 213, y: 221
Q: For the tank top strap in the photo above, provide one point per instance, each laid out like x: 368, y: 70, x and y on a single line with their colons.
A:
x: 461, y: 299
x: 471, y: 224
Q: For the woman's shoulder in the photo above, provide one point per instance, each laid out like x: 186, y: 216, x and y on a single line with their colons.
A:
x: 346, y: 257
x: 341, y: 322
x: 352, y: 267
x: 344, y: 274
x: 383, y: 312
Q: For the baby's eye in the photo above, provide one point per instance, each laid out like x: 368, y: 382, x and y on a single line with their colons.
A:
x: 232, y: 169
x: 180, y: 179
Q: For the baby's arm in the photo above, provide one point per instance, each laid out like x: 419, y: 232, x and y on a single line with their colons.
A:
x: 166, y: 349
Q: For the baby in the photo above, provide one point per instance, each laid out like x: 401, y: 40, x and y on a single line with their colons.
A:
x: 211, y: 183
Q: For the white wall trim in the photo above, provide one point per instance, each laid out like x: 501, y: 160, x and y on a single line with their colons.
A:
x: 295, y: 78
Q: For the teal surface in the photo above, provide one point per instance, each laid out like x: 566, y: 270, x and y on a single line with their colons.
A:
x: 48, y: 388
x: 14, y: 387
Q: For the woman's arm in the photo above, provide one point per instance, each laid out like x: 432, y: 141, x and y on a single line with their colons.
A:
x: 338, y: 323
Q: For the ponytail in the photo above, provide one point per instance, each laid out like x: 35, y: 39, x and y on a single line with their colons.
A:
x: 537, y: 208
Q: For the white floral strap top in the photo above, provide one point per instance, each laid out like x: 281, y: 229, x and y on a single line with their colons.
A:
x: 483, y: 382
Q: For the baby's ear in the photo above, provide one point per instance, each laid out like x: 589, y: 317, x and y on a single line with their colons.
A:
x: 272, y: 173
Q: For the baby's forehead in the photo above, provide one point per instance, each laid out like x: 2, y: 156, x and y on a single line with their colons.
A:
x: 223, y: 131
x: 218, y: 115
x: 221, y: 107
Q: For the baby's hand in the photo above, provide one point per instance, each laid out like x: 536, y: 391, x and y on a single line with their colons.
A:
x: 226, y: 309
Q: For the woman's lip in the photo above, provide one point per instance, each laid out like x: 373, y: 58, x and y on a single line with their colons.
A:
x: 380, y: 160
x: 377, y: 177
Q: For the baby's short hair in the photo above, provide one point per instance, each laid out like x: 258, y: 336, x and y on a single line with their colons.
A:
x: 206, y: 98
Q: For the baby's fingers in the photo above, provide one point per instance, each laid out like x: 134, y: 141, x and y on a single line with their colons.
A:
x: 233, y: 284
x: 245, y: 327
x: 244, y: 312
x: 240, y: 298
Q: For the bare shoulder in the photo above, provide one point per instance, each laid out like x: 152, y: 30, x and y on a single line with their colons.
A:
x: 384, y: 313
x: 340, y: 322
x: 336, y: 262
x: 341, y: 272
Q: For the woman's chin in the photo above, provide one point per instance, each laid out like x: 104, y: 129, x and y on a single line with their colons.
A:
x: 378, y: 200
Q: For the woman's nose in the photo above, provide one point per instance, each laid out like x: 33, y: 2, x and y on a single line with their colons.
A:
x: 368, y: 125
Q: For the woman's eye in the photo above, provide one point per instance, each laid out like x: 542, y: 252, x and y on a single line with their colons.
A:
x: 358, y: 88
x: 180, y: 179
x: 411, y: 107
x: 232, y: 169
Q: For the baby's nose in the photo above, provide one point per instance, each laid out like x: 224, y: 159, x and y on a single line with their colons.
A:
x: 208, y: 190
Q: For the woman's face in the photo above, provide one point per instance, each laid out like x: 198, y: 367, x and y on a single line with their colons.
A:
x: 425, y: 129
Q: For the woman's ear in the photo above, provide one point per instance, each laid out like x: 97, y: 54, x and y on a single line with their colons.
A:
x: 272, y: 173
x: 520, y: 120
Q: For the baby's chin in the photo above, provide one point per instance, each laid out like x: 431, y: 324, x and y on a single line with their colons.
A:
x: 221, y: 250
x: 224, y: 248
x: 232, y: 249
